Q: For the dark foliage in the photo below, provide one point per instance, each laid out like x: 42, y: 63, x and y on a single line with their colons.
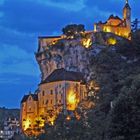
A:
x: 73, y: 29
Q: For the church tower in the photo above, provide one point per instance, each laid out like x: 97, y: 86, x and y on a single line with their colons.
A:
x: 127, y: 14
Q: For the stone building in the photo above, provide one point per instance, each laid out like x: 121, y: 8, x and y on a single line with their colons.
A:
x: 116, y: 25
x: 62, y: 90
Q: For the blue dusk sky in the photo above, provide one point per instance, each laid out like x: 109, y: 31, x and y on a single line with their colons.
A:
x: 22, y: 21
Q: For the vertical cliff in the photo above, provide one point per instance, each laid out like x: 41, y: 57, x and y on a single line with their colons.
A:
x: 72, y: 54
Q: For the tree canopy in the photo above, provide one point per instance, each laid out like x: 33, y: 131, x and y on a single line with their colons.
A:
x: 73, y: 29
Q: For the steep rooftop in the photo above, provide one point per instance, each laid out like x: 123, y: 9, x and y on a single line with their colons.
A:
x: 62, y: 74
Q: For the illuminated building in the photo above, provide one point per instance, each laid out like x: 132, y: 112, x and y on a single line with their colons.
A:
x: 116, y: 25
x: 29, y: 110
x: 61, y: 90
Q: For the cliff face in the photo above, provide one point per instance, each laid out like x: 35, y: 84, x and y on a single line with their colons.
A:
x: 117, y: 71
x: 71, y: 54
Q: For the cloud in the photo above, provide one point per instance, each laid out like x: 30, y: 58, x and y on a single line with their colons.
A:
x: 13, y: 37
x: 44, y: 17
x: 4, y: 80
x: 14, y: 59
x: 2, y: 2
x: 68, y: 5
x: 1, y: 14
x: 14, y: 86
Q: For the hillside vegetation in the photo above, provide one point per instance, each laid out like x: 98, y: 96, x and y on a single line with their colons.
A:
x: 116, y: 114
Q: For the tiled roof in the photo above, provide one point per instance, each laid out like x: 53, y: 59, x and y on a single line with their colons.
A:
x: 62, y: 74
x: 34, y: 96
x: 24, y: 99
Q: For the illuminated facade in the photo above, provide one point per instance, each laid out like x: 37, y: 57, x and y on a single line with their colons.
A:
x: 116, y: 25
x: 61, y: 91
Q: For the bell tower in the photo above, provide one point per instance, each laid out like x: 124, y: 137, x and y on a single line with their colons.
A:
x: 127, y: 14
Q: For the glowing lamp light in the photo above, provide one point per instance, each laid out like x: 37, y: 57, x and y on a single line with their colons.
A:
x: 26, y: 124
x: 107, y: 29
x: 87, y: 43
x: 68, y: 118
x: 72, y: 100
x: 52, y: 123
x: 111, y: 41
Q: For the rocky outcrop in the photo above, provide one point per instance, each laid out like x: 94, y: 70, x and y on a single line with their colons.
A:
x: 72, y: 54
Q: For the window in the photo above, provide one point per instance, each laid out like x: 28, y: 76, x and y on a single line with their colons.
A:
x: 76, y: 87
x: 51, y: 92
x: 43, y: 93
x: 46, y: 101
x: 51, y: 101
x: 56, y: 90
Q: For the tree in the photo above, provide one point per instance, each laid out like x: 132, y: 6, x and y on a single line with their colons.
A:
x: 73, y: 29
x: 125, y: 115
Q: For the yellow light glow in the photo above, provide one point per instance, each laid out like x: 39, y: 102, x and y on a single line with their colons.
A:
x: 111, y: 41
x: 52, y: 119
x: 26, y: 124
x: 72, y: 101
x: 72, y: 98
x: 87, y: 43
x: 107, y: 29
x: 68, y: 118
x: 52, y: 123
x: 39, y: 122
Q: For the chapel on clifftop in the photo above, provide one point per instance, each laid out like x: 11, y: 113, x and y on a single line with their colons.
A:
x: 116, y: 25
